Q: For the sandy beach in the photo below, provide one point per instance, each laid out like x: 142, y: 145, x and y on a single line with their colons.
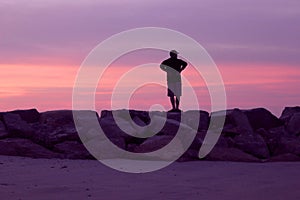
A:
x: 27, y: 178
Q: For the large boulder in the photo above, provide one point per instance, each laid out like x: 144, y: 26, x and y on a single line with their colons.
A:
x: 57, y: 118
x: 122, y: 129
x: 16, y: 126
x: 252, y: 144
x: 288, y: 144
x: 230, y: 154
x: 102, y: 149
x: 262, y: 118
x: 272, y: 137
x: 25, y: 147
x: 159, y: 143
x: 190, y: 116
x: 287, y: 157
x: 127, y: 115
x: 3, y: 131
x: 234, y: 118
x: 30, y: 115
x: 288, y: 112
x: 293, y: 125
x: 154, y: 143
x: 72, y: 150
x: 55, y: 127
x: 49, y: 136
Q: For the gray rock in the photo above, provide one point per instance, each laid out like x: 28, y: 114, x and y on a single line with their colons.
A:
x: 3, y: 131
x: 107, y: 149
x: 25, y: 147
x: 72, y: 150
x: 154, y: 143
x: 30, y: 115
x: 190, y: 116
x: 262, y: 118
x: 272, y: 137
x: 113, y: 130
x: 252, y: 144
x: 230, y: 154
x: 16, y: 126
x: 234, y: 118
x: 285, y: 157
x: 288, y: 112
x: 58, y: 126
x: 288, y: 144
x: 56, y: 118
x: 49, y: 136
x: 293, y: 125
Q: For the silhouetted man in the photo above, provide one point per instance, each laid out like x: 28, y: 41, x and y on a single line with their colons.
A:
x: 174, y: 66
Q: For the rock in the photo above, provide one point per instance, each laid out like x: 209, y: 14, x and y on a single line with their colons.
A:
x: 288, y: 144
x: 285, y: 157
x: 113, y: 130
x: 189, y: 155
x: 57, y: 118
x: 190, y: 116
x: 58, y: 126
x: 25, y: 147
x: 29, y: 116
x: 234, y: 118
x: 262, y: 118
x: 230, y: 154
x: 49, y: 136
x: 293, y: 125
x: 249, y: 135
x: 101, y: 149
x: 3, y: 131
x: 127, y: 115
x: 238, y: 127
x: 198, y: 140
x: 72, y: 150
x: 154, y: 143
x: 230, y: 130
x: 174, y: 116
x: 160, y: 143
x: 138, y: 121
x: 252, y: 144
x: 171, y: 127
x: 288, y: 112
x: 272, y: 137
x: 16, y: 126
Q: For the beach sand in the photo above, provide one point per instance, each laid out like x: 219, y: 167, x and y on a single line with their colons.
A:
x: 27, y: 178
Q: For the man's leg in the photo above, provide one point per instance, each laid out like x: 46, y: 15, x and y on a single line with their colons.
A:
x: 172, y: 102
x: 177, y: 102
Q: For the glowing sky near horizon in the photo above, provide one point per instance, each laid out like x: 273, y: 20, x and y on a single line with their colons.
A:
x: 255, y: 45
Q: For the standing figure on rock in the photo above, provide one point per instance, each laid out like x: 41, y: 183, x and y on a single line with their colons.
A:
x: 174, y: 66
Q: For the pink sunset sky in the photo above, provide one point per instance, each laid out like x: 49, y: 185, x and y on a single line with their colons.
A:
x: 255, y: 45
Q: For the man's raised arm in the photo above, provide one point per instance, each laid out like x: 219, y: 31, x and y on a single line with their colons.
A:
x: 183, y: 65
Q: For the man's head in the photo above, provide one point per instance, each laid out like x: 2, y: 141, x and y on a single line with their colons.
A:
x: 173, y: 54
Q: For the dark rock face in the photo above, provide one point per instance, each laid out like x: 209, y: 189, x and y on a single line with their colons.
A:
x: 288, y: 112
x: 230, y: 154
x: 293, y: 125
x: 30, y: 116
x: 72, y: 150
x: 254, y: 135
x: 16, y: 126
x: 55, y: 127
x: 3, y: 131
x: 262, y: 118
x: 25, y: 147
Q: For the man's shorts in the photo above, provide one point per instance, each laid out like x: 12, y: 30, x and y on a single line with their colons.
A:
x: 174, y: 89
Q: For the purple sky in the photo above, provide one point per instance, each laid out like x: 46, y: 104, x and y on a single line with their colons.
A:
x: 243, y: 34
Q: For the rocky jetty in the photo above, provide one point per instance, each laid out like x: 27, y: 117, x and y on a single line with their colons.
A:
x: 254, y: 135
